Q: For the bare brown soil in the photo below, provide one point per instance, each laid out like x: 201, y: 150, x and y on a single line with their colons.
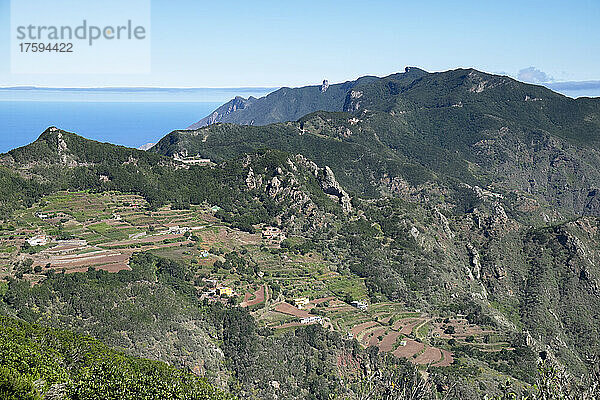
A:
x: 412, y: 347
x: 289, y: 309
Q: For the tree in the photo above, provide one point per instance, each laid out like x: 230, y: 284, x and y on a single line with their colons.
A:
x: 382, y: 377
x: 555, y: 383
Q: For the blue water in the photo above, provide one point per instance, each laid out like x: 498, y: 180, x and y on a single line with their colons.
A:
x: 127, y: 116
x: 125, y: 123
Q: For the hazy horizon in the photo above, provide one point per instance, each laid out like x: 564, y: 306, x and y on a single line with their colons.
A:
x: 572, y: 89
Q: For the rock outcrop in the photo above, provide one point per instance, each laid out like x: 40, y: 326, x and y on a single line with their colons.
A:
x: 328, y: 183
x: 221, y: 113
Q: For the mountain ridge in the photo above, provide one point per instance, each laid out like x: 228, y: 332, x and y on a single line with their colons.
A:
x: 290, y: 104
x: 479, y: 128
x: 465, y: 200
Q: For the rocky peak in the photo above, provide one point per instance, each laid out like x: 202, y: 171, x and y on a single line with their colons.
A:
x: 146, y: 147
x: 236, y: 104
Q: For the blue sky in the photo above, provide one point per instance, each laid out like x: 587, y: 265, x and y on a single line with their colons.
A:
x: 265, y: 43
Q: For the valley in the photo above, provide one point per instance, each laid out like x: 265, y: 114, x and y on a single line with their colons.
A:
x: 442, y: 226
x: 81, y: 231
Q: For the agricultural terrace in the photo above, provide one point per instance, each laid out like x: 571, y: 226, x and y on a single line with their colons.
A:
x: 75, y: 231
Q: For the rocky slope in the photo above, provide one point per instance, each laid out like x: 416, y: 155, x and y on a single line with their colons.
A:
x: 498, y: 177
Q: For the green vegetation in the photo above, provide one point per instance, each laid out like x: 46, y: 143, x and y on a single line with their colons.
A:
x: 137, y: 309
x: 16, y: 192
x: 285, y: 104
x: 553, y: 383
x: 39, y: 362
x: 133, y: 171
x: 451, y: 128
x: 470, y: 232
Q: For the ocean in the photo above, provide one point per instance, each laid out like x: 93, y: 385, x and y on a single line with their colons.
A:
x: 129, y: 117
x: 128, y: 124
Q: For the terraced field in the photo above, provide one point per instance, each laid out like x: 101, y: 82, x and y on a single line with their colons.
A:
x: 395, y: 339
x: 102, y: 231
x: 252, y: 299
x: 289, y: 309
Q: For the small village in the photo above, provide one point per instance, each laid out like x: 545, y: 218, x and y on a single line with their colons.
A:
x: 74, y: 232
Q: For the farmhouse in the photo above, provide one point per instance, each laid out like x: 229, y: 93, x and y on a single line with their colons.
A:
x: 39, y: 240
x: 196, y: 160
x: 310, y: 320
x: 176, y: 230
x: 272, y: 235
x: 225, y: 291
x: 301, y: 302
x: 360, y: 305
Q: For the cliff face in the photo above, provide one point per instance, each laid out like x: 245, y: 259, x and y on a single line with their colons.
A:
x: 223, y: 113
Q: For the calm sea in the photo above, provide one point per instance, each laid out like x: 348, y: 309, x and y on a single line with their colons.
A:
x: 129, y: 117
x: 129, y: 124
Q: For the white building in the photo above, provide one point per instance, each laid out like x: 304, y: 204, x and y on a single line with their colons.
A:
x: 195, y: 160
x: 39, y: 240
x: 176, y: 230
x: 301, y: 302
x: 310, y: 320
x: 360, y: 305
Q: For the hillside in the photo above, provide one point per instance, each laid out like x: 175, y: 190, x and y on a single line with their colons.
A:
x: 501, y: 168
x: 460, y: 260
x: 461, y: 125
x: 444, y: 223
x: 42, y: 363
x: 62, y: 160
